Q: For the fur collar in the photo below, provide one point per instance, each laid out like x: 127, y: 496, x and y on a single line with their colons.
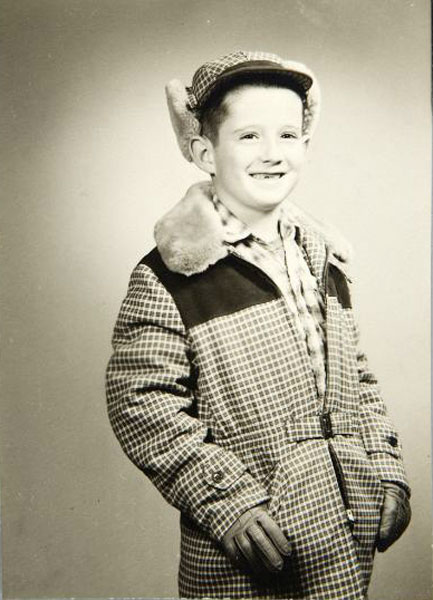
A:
x: 190, y: 236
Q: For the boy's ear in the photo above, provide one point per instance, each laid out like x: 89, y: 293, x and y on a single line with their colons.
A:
x: 201, y: 149
x: 306, y: 141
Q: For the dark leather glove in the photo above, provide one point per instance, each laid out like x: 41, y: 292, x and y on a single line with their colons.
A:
x: 396, y: 514
x: 256, y: 542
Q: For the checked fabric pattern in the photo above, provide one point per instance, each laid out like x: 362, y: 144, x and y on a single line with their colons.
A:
x: 150, y: 391
x: 206, y: 76
x: 220, y: 416
x: 282, y: 260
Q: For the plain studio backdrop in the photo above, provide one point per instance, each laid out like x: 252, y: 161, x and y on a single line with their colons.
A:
x: 89, y: 162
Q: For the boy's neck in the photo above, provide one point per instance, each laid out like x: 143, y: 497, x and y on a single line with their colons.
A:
x: 263, y: 225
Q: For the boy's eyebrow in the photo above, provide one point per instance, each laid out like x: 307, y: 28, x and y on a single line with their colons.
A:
x: 252, y: 125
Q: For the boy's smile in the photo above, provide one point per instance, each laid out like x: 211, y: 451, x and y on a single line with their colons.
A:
x: 260, y: 149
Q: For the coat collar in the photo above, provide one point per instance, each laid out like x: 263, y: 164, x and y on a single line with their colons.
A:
x: 190, y: 237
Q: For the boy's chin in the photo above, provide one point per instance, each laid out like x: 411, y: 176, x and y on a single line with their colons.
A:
x: 269, y: 202
x: 274, y: 197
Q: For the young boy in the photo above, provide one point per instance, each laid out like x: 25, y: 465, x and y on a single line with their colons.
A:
x: 236, y: 385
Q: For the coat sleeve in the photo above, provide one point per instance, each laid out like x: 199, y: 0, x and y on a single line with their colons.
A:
x: 150, y: 383
x: 381, y: 440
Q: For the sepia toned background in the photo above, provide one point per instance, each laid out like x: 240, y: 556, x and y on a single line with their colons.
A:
x: 89, y: 162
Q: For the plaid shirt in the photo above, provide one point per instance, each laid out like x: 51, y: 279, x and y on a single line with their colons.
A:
x: 283, y: 261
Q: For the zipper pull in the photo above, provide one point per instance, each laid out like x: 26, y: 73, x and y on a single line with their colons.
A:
x: 350, y: 517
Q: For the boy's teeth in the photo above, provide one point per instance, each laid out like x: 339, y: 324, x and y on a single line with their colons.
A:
x: 266, y: 175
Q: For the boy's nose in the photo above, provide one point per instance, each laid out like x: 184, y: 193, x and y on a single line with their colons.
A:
x: 271, y: 151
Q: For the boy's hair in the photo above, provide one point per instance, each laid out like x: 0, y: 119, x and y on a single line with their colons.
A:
x: 214, y: 110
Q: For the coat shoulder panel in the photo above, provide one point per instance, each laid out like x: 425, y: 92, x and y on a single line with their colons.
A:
x: 226, y: 287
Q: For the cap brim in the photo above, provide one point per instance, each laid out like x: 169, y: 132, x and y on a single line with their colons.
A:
x: 303, y: 80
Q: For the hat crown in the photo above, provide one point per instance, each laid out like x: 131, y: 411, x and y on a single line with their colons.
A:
x: 211, y: 72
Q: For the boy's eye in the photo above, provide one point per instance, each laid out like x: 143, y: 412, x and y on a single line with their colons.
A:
x: 248, y: 136
x: 289, y: 135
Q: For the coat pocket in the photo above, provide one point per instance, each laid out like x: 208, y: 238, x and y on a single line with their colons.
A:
x: 365, y: 491
x: 305, y: 501
x: 257, y: 451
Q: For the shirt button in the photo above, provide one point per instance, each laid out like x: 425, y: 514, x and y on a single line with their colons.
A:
x: 217, y: 476
x: 393, y: 441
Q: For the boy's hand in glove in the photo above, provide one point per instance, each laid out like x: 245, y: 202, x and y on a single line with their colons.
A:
x: 396, y: 514
x: 255, y: 541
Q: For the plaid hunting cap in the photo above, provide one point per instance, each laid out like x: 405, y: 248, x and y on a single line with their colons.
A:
x: 184, y: 103
x: 210, y: 75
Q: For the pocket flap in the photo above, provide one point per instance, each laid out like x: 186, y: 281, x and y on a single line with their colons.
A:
x: 384, y: 441
x: 221, y: 474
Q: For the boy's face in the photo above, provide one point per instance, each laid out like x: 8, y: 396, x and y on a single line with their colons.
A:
x: 260, y: 149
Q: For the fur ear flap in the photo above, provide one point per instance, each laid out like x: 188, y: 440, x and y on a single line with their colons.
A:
x: 184, y: 122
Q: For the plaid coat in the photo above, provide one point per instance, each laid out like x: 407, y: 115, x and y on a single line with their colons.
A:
x: 211, y: 395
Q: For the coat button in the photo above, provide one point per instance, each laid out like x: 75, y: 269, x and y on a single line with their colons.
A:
x: 217, y: 476
x: 392, y: 440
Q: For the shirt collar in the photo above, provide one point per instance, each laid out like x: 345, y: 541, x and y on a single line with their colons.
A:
x: 235, y: 230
